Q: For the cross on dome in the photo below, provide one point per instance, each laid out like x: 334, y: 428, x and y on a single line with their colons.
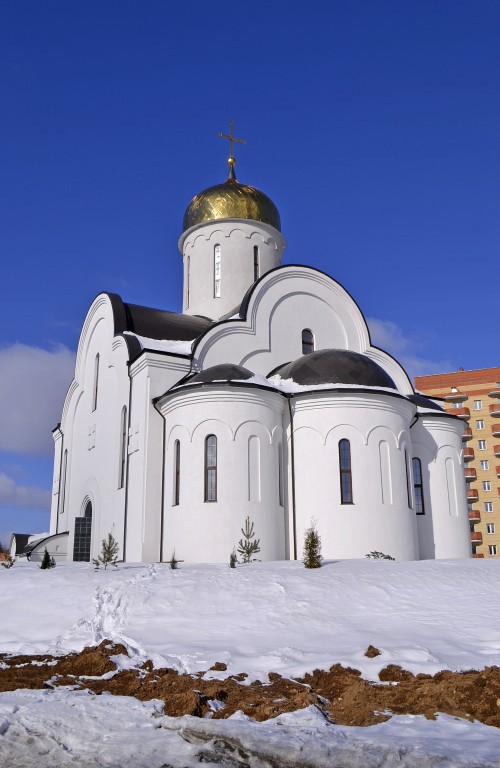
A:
x: 232, y: 139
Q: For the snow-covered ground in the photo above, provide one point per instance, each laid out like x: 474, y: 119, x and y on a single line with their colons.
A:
x: 258, y: 618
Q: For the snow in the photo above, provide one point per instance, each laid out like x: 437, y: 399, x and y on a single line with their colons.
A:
x: 37, y: 537
x: 426, y: 616
x: 163, y: 345
x: 289, y: 385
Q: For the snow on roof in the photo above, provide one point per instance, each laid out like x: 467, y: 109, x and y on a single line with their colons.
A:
x: 163, y: 345
x: 37, y: 537
x: 290, y: 386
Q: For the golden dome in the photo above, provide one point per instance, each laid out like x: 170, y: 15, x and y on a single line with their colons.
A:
x: 231, y: 200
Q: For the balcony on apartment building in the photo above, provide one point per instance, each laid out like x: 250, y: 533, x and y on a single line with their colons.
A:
x: 469, y: 453
x: 455, y: 397
x: 474, y: 516
x: 470, y: 474
x: 475, y: 554
x: 467, y: 435
x: 495, y: 409
x: 462, y: 413
x: 494, y: 393
x: 472, y: 494
x: 495, y: 430
x: 497, y: 470
x: 476, y: 537
x: 496, y: 450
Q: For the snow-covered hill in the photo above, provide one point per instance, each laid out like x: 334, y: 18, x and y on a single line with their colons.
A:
x: 263, y: 617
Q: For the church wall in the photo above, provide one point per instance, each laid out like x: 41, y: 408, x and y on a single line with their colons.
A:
x: 90, y: 436
x: 241, y: 419
x: 237, y: 239
x: 283, y: 304
x: 151, y: 376
x: 56, y: 479
x: 444, y: 529
x: 379, y: 517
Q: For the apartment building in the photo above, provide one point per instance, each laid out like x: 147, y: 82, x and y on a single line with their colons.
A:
x: 475, y: 397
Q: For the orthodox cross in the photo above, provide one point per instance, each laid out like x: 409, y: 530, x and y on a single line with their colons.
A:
x: 232, y: 139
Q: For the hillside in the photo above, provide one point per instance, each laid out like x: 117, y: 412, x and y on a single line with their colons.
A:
x: 258, y: 619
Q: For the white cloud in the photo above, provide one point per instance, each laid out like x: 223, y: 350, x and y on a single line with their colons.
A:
x: 33, y: 384
x: 389, y: 336
x: 14, y: 495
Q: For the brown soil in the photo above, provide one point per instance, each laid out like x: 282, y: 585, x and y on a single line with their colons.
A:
x: 341, y: 692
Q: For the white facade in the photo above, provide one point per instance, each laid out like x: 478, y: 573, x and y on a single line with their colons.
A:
x: 177, y: 427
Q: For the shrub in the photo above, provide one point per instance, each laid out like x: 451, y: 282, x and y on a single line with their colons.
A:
x: 374, y: 555
x: 109, y: 552
x: 47, y: 561
x: 312, y: 547
x: 247, y: 547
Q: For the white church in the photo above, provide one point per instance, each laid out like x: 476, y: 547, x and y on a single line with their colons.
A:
x: 264, y: 398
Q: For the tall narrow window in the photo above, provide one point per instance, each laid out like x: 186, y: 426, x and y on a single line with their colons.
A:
x: 418, y: 487
x: 408, y: 488
x: 177, y: 472
x: 211, y: 468
x: 345, y: 472
x: 307, y: 341
x: 256, y: 264
x: 253, y: 468
x: 96, y: 382
x: 217, y: 271
x: 83, y: 535
x: 62, y: 486
x: 123, y: 448
x: 188, y: 265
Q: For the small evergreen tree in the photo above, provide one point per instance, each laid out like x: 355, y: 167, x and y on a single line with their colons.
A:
x: 109, y: 552
x: 375, y: 555
x: 312, y: 547
x: 8, y: 563
x: 233, y: 559
x: 174, y: 563
x: 247, y: 547
x: 47, y: 561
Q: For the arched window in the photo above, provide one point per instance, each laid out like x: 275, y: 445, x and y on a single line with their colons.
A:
x: 253, y: 468
x: 408, y: 485
x: 217, y: 271
x: 83, y: 535
x: 418, y: 487
x: 177, y: 473
x: 211, y: 468
x: 256, y: 264
x: 307, y: 341
x: 123, y: 448
x: 62, y: 482
x: 96, y: 382
x: 345, y: 472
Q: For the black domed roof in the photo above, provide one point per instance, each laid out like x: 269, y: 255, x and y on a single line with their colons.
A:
x: 424, y: 402
x: 223, y: 372
x: 336, y: 366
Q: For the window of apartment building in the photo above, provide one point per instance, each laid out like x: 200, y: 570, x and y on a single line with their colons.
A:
x: 482, y: 445
x: 484, y: 464
x: 492, y: 549
x: 486, y: 485
x: 490, y: 527
x: 488, y: 506
x: 479, y: 423
x: 478, y: 405
x: 457, y: 405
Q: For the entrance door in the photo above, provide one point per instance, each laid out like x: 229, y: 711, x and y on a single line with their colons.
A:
x: 83, y: 535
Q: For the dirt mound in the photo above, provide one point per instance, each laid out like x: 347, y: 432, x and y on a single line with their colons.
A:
x: 340, y: 691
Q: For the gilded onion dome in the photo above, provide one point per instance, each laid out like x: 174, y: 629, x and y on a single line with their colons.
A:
x: 231, y: 200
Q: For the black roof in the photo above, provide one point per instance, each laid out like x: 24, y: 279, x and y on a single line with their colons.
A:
x: 223, y: 372
x: 336, y: 366
x: 425, y: 402
x: 154, y: 324
x: 21, y: 541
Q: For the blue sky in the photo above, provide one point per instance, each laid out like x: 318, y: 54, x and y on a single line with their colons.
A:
x: 374, y: 126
